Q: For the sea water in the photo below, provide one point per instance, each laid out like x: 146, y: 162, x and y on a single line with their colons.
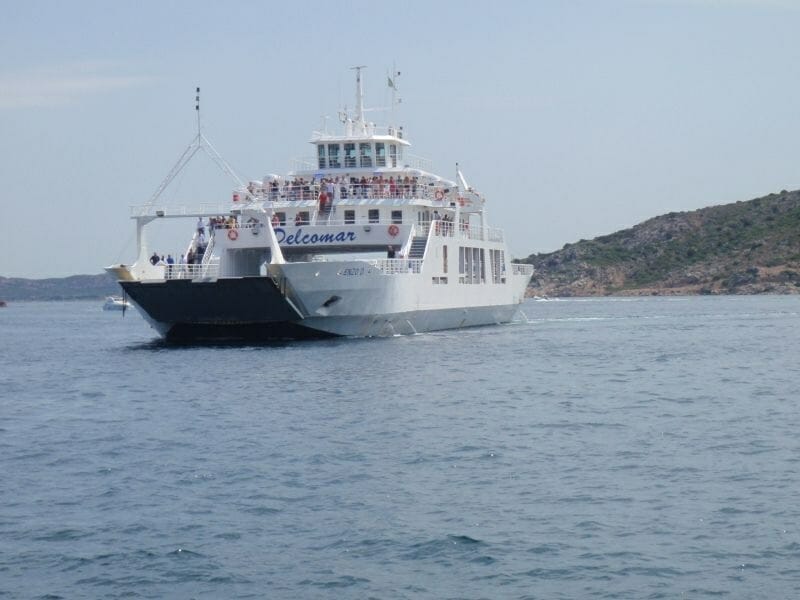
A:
x: 605, y: 448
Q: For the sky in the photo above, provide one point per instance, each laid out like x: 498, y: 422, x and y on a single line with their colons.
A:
x: 574, y: 118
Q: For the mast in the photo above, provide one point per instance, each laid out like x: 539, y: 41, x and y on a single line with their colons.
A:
x: 395, y: 100
x: 359, y: 94
x: 199, y: 142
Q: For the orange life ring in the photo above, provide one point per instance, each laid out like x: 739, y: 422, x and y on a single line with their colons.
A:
x: 393, y: 230
x: 439, y: 195
x: 233, y: 234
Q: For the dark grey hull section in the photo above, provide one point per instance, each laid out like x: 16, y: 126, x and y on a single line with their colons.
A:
x: 248, y: 308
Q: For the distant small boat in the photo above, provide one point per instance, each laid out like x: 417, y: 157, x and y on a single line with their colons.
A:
x: 3, y: 304
x: 116, y: 303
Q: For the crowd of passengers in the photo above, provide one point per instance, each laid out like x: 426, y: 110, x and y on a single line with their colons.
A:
x: 338, y: 188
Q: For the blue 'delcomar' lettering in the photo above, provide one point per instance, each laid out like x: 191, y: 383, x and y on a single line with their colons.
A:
x: 298, y: 238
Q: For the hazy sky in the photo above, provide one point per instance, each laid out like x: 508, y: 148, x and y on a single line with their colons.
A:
x: 574, y: 118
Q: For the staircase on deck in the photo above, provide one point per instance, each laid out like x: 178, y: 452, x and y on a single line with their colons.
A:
x: 417, y: 249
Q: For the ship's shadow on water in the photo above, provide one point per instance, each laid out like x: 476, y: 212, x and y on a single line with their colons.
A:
x: 160, y: 344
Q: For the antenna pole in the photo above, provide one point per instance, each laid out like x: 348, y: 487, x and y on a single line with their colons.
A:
x: 359, y: 93
x: 393, y: 85
x: 197, y: 109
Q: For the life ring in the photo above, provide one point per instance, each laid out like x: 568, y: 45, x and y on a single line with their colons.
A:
x: 393, y: 230
x: 439, y: 195
x: 233, y: 234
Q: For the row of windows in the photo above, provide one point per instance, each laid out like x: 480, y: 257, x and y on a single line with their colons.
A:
x: 472, y: 265
x: 373, y: 216
x: 351, y: 155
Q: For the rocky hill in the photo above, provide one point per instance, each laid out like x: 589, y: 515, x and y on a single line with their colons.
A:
x: 750, y: 247
x: 77, y: 287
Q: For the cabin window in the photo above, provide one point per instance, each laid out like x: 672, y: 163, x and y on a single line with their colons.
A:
x: 374, y: 215
x: 281, y: 218
x: 349, y: 217
x: 397, y: 217
x: 333, y: 156
x: 380, y: 154
x: 350, y: 155
x: 365, y: 152
x: 321, y: 155
x: 498, y: 262
x: 301, y: 218
x: 392, y: 155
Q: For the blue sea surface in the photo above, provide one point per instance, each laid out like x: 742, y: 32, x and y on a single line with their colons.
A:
x: 604, y: 448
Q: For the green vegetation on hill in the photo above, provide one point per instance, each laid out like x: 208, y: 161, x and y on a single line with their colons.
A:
x: 745, y: 247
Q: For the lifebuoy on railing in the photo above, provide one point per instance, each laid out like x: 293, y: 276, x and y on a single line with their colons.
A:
x: 439, y: 195
x: 393, y: 230
x: 233, y: 234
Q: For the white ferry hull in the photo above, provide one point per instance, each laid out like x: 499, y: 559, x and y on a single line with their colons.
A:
x: 409, y: 323
x: 372, y: 304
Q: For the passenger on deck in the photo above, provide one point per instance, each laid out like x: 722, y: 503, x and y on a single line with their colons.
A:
x: 390, y: 253
x: 154, y: 259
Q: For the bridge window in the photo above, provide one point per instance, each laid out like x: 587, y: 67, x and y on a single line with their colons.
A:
x: 374, y: 215
x: 397, y: 217
x: 380, y: 154
x: 365, y: 153
x: 349, y: 156
x: 321, y: 155
x: 333, y: 156
x: 392, y: 155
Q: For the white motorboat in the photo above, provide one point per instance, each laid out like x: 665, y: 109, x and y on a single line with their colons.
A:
x: 116, y: 303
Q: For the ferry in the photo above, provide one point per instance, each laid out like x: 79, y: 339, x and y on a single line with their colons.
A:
x: 361, y: 239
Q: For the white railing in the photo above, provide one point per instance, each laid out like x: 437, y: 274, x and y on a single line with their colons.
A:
x: 180, y: 211
x: 521, y: 269
x: 344, y: 192
x: 208, y: 270
x: 462, y: 231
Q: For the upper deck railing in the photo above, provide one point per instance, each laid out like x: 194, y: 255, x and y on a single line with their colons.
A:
x: 343, y: 193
